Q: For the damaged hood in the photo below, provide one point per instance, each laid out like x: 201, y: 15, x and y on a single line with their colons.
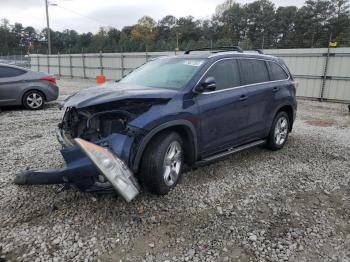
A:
x: 111, y: 92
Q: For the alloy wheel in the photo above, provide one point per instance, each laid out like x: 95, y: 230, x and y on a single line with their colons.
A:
x: 281, y: 130
x: 172, y: 163
x: 34, y: 100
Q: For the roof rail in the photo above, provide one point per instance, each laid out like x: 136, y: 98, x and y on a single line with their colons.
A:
x: 219, y: 48
x: 260, y: 51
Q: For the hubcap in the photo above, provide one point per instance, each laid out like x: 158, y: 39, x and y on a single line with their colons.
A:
x: 172, y: 163
x: 281, y: 130
x: 34, y: 100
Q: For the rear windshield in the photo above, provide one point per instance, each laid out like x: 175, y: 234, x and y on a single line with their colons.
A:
x: 171, y: 73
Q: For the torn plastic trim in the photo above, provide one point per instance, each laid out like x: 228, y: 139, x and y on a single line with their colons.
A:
x: 62, y: 139
x: 115, y: 111
x: 112, y: 167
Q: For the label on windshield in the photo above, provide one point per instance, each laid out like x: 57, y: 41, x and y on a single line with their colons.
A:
x: 193, y: 62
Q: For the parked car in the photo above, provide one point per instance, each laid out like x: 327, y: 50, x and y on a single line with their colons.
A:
x: 20, y: 86
x: 190, y: 109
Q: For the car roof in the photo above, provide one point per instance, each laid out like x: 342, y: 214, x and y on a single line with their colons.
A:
x: 13, y: 66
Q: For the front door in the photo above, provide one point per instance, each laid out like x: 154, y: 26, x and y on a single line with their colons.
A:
x: 223, y: 112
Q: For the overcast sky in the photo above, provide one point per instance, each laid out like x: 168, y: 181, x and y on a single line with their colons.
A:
x: 89, y: 15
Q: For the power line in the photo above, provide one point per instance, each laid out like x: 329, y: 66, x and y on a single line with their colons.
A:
x: 101, y: 23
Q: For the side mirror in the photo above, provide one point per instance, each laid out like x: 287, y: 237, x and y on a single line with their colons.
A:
x: 209, y: 84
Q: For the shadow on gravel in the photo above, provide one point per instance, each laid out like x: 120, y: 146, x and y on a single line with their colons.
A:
x: 49, y: 105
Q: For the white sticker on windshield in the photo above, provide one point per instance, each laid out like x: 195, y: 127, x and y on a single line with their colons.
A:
x: 193, y: 62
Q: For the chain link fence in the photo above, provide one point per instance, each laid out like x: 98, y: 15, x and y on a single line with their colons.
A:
x: 17, y: 60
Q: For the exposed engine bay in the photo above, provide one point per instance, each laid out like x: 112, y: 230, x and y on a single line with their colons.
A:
x: 98, y: 122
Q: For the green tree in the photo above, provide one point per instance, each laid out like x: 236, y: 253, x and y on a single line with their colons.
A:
x: 145, y: 31
x: 260, y: 23
x: 233, y: 23
x: 284, y: 26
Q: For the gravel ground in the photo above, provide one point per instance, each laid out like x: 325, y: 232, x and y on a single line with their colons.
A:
x: 257, y: 205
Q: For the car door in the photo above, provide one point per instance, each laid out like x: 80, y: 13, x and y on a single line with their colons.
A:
x: 259, y: 92
x: 279, y: 84
x: 10, y: 79
x: 222, y: 112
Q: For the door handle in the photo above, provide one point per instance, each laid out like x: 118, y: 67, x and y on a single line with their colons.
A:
x: 243, y: 98
x: 275, y: 89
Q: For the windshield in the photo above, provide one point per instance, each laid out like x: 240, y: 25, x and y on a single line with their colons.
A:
x: 171, y: 73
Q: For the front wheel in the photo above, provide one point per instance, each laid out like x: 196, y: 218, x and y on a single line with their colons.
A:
x: 162, y: 163
x: 279, y: 131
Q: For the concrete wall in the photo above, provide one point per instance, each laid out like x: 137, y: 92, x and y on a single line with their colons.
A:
x: 322, y: 75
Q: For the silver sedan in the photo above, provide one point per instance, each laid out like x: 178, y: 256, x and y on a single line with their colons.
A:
x: 20, y: 86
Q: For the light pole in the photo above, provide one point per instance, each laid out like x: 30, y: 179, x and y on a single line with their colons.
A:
x: 48, y: 27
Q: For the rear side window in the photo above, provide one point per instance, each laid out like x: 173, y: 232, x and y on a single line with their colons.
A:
x: 254, y: 71
x: 277, y: 72
x: 10, y: 72
x: 226, y: 74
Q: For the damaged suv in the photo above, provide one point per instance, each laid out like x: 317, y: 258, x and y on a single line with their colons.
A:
x: 189, y: 109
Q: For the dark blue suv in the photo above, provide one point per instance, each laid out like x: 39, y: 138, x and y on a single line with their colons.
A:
x: 174, y: 111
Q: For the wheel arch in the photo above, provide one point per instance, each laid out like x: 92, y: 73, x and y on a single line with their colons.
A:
x: 33, y: 89
x: 184, y: 128
x: 288, y: 108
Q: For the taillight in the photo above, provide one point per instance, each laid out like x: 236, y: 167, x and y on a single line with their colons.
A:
x: 296, y: 84
x: 49, y: 78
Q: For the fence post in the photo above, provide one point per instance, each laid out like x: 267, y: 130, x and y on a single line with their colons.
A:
x: 70, y: 66
x: 48, y: 63
x: 29, y: 60
x: 325, y: 71
x: 122, y: 64
x: 146, y: 57
x: 37, y: 56
x: 59, y: 64
x: 101, y: 63
x: 83, y: 60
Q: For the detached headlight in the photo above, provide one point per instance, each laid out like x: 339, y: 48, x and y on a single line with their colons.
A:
x: 113, y: 168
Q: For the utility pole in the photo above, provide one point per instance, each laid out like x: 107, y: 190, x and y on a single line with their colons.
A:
x: 177, y: 41
x: 48, y: 27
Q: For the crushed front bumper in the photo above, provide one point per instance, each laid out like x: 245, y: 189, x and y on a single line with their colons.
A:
x: 86, y: 174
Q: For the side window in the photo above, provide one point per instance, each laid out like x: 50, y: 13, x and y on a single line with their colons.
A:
x: 226, y: 74
x: 10, y: 72
x: 277, y: 72
x: 254, y: 71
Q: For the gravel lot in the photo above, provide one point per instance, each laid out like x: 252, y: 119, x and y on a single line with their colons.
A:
x: 257, y: 205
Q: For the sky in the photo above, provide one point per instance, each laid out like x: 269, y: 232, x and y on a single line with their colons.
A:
x: 90, y: 15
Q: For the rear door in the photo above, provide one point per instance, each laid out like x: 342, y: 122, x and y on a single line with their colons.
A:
x: 281, y: 85
x: 10, y: 84
x: 222, y: 112
x: 259, y: 92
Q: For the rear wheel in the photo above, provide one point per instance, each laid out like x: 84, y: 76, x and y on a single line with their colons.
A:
x: 162, y: 163
x: 279, y: 131
x: 33, y: 100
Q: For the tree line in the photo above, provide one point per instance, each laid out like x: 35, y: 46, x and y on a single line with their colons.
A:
x: 255, y: 25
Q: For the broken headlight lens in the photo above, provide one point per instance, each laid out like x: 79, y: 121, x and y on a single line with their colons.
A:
x: 113, y: 168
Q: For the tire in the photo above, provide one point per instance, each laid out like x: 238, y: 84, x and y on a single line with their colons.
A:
x: 33, y: 100
x: 162, y: 163
x: 279, y: 131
